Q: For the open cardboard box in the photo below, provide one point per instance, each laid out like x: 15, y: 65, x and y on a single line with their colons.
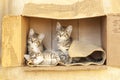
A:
x: 99, y: 29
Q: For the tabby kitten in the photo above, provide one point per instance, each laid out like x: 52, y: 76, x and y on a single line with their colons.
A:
x: 63, y: 42
x: 50, y: 58
x: 47, y: 58
x: 35, y: 47
x: 37, y: 56
x: 35, y: 44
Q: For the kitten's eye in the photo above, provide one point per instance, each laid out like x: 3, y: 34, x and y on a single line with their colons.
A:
x: 67, y: 49
x: 33, y: 39
x: 66, y: 36
x: 60, y: 35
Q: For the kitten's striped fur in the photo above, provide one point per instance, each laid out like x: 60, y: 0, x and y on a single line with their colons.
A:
x: 64, y: 41
x: 35, y: 47
x: 35, y: 44
x: 37, y: 55
x: 49, y: 58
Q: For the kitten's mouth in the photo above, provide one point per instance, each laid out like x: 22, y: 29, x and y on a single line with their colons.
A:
x: 60, y: 40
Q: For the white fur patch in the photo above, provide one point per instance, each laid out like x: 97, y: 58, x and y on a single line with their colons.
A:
x: 27, y: 57
x: 35, y: 48
x: 38, y: 60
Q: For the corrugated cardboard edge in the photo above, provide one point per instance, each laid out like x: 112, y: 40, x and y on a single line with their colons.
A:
x: 64, y: 68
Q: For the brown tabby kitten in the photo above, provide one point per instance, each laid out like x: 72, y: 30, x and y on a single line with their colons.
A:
x: 63, y: 42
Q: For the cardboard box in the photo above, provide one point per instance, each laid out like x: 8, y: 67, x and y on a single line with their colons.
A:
x: 94, y: 25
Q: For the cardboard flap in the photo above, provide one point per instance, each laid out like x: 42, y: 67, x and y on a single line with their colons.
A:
x: 87, y: 51
x: 78, y: 9
x: 82, y: 49
x: 70, y: 9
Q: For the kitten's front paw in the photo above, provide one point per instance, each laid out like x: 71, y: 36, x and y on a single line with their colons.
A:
x: 27, y: 57
x: 65, y: 59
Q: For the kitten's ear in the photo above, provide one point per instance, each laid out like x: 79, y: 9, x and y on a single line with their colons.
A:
x: 31, y: 32
x: 69, y: 29
x: 41, y: 36
x: 58, y: 26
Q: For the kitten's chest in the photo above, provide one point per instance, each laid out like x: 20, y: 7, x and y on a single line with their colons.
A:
x: 64, y: 46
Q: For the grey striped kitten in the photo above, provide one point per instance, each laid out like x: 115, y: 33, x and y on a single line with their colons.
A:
x: 37, y: 56
x: 35, y: 44
x: 35, y: 47
x: 63, y: 42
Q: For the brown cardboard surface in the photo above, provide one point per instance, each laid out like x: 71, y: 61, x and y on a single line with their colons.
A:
x: 70, y: 9
x: 90, y: 30
x: 113, y: 40
x: 64, y: 68
x: 84, y: 49
x: 78, y: 9
x: 13, y: 40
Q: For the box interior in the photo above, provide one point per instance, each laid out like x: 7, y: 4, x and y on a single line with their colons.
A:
x: 92, y: 30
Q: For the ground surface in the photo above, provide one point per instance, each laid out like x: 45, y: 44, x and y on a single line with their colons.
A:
x: 18, y: 73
